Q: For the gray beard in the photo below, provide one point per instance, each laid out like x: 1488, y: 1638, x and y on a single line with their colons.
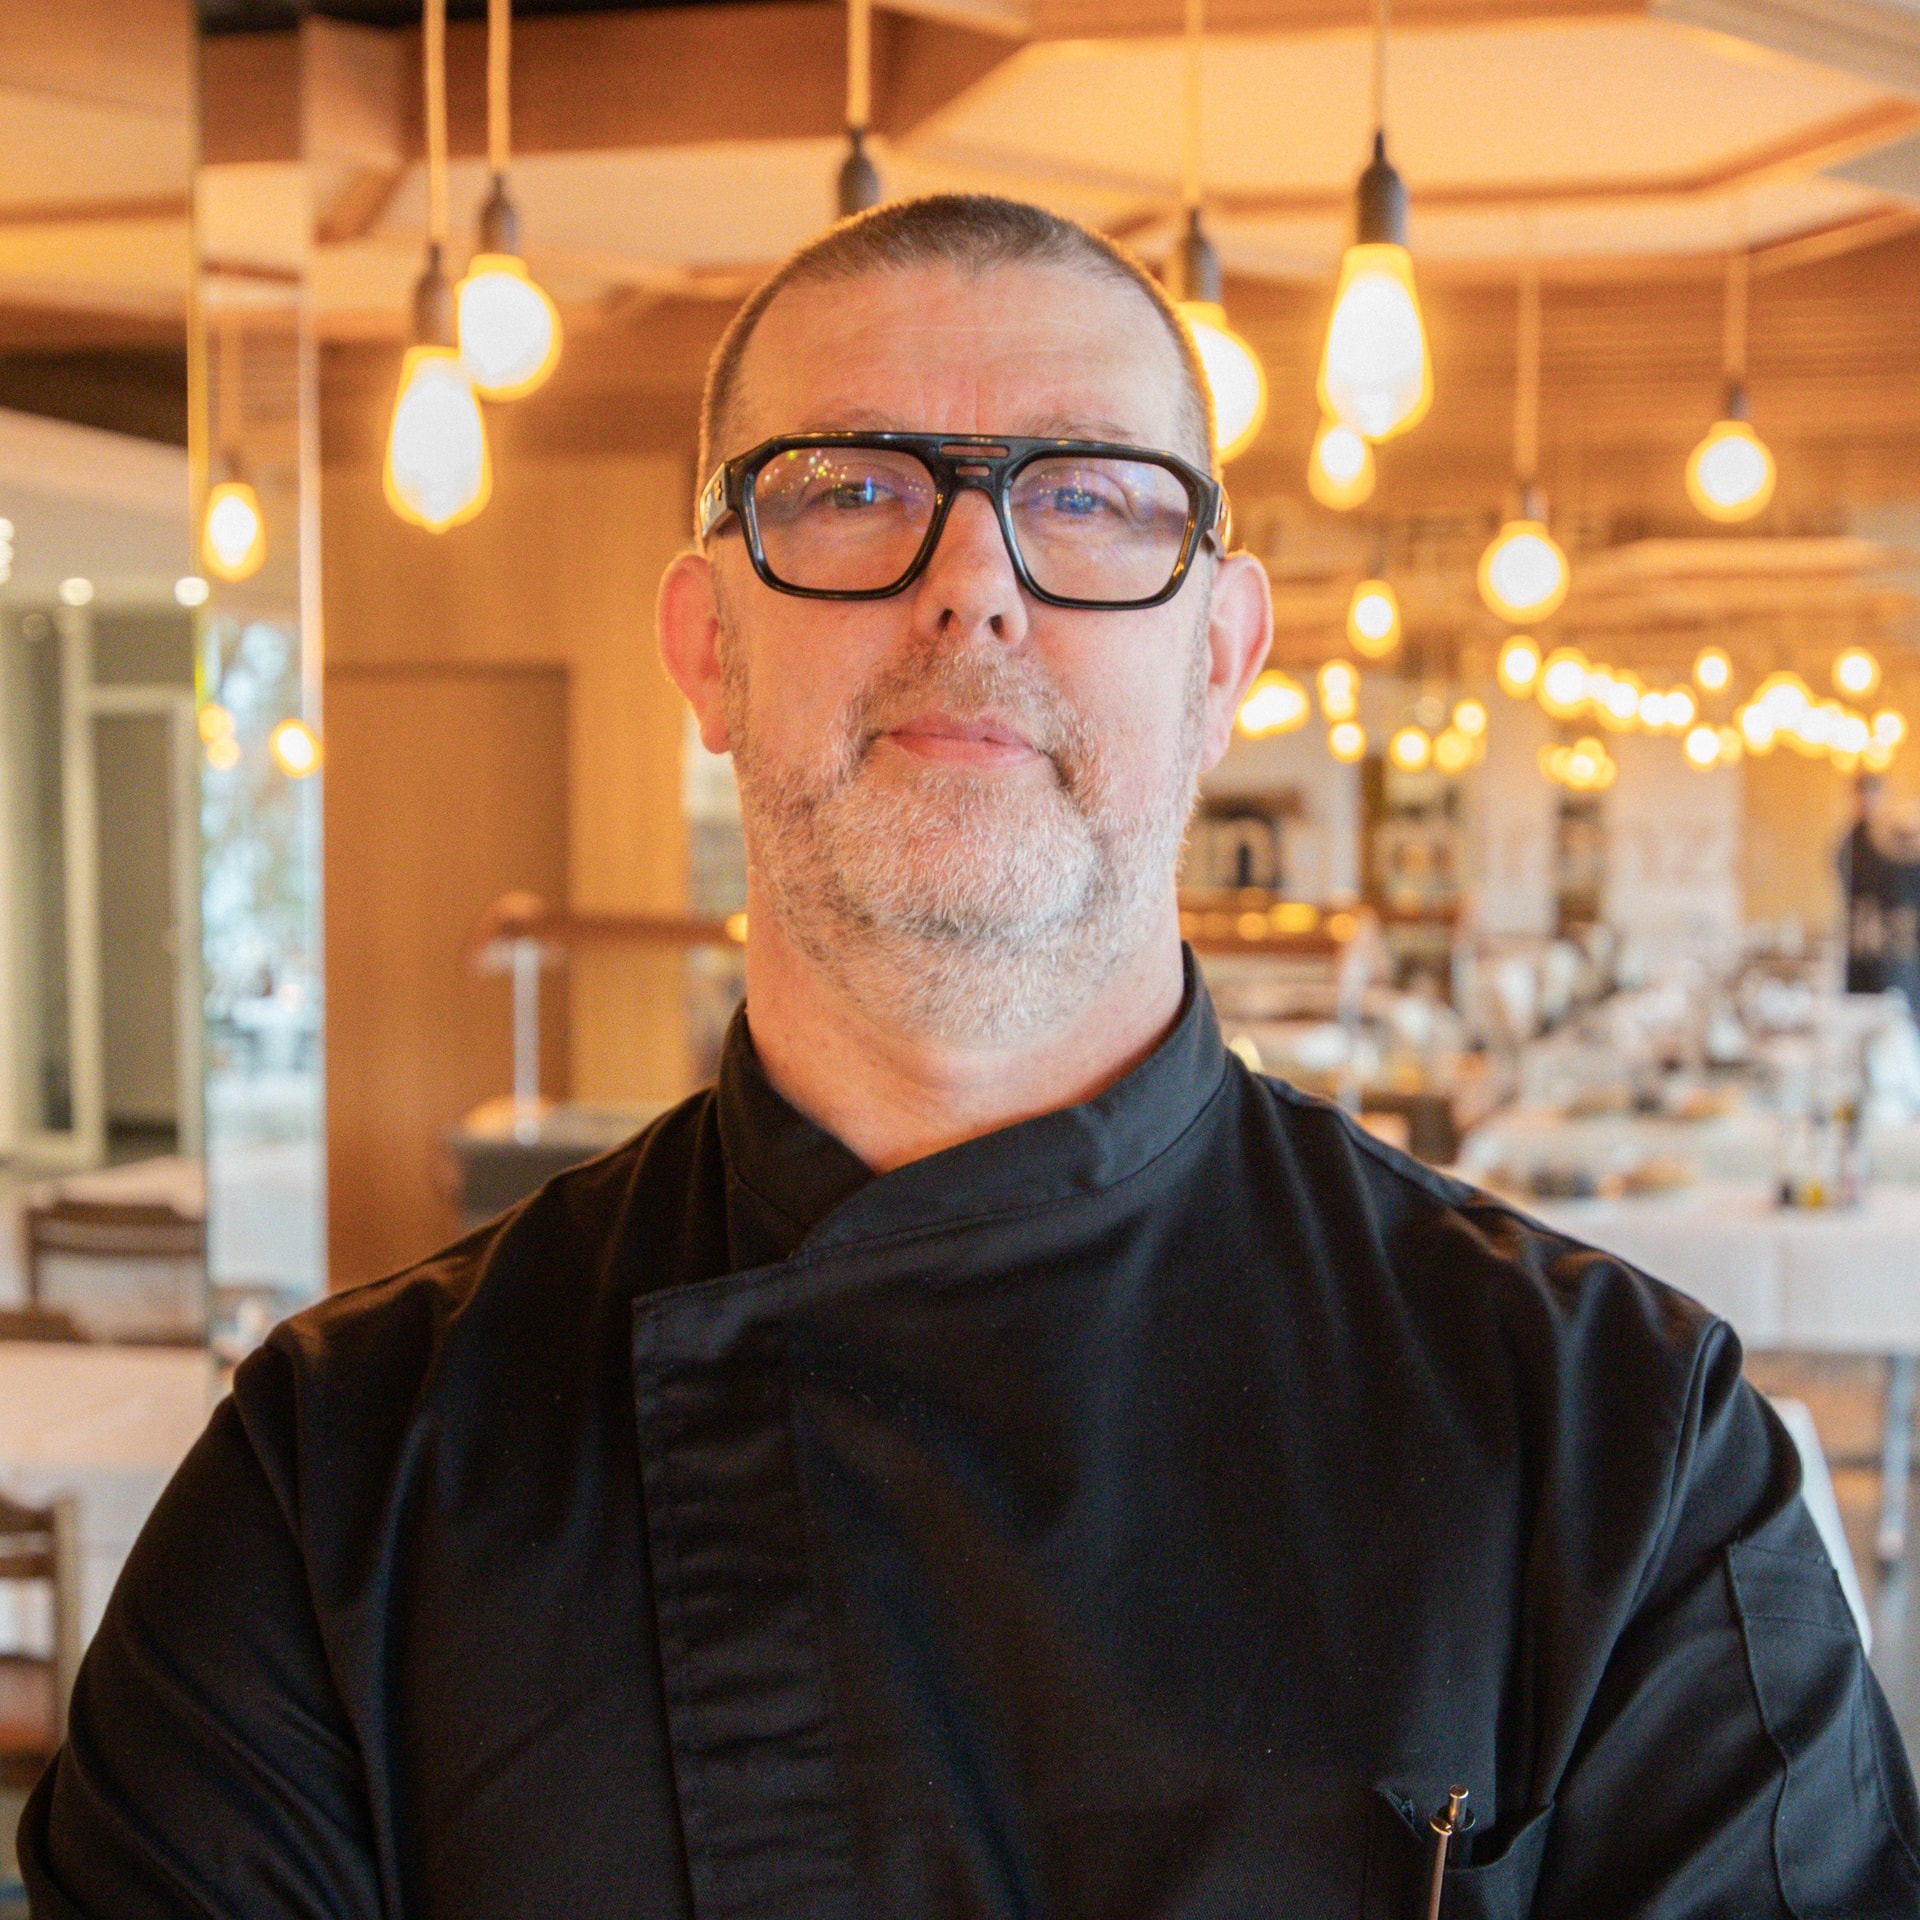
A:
x: 972, y: 910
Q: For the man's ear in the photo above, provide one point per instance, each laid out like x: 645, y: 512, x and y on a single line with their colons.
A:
x: 1239, y: 634
x: 687, y: 619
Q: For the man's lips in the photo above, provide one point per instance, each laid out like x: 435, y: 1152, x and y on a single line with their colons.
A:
x: 977, y: 740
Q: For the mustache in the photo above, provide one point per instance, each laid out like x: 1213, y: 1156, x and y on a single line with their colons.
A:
x: 970, y: 684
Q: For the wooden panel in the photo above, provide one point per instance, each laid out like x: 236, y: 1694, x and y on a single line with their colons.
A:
x: 445, y: 787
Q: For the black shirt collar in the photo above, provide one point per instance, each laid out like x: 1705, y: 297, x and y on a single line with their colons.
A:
x: 791, y: 1184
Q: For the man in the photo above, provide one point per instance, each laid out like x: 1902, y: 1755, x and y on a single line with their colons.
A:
x: 991, y: 1455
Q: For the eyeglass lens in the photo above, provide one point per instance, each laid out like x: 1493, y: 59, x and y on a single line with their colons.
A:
x: 851, y: 520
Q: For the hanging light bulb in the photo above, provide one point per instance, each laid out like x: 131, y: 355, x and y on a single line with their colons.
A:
x: 1411, y: 749
x: 1730, y: 474
x: 1523, y: 574
x: 1373, y: 619
x: 1376, y: 374
x: 1340, y: 469
x: 1470, y: 718
x: 1519, y: 666
x: 233, y: 531
x: 509, y: 330
x: 858, y: 186
x: 1235, y: 378
x: 438, y: 472
x: 1339, y: 686
x: 1275, y: 703
x: 1856, y: 672
x: 1347, y: 742
x: 1713, y: 670
x: 1453, y: 751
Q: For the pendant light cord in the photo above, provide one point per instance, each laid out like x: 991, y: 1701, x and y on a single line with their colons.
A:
x: 1526, y: 386
x: 1196, y: 32
x: 859, y: 65
x: 433, y: 46
x: 499, y: 87
x: 1733, y: 343
x: 1381, y: 24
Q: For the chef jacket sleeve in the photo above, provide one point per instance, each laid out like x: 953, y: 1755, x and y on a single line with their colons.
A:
x: 1738, y: 1758
x: 209, y: 1768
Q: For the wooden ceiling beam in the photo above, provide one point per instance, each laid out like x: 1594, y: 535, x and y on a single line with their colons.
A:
x: 1135, y: 19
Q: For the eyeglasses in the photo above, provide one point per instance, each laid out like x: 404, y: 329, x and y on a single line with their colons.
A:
x: 856, y: 516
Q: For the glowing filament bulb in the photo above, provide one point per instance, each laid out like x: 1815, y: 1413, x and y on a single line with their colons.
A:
x: 1713, y: 670
x: 437, y: 470
x: 1347, y: 742
x: 1375, y: 372
x: 1339, y: 690
x: 509, y: 329
x: 1410, y: 749
x: 1275, y: 703
x: 1519, y: 666
x: 1856, y: 672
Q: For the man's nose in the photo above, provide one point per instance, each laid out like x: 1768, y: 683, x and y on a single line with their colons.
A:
x: 970, y: 586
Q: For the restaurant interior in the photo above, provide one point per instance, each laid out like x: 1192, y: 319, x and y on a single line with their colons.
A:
x: 362, y: 869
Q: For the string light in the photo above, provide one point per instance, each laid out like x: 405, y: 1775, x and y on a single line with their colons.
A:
x: 1523, y: 574
x: 438, y: 471
x: 1454, y: 751
x: 1339, y: 686
x: 1783, y: 709
x: 1702, y: 747
x: 1373, y: 619
x: 1340, y: 469
x: 1376, y: 373
x: 1275, y: 703
x: 1347, y: 742
x: 1585, y: 767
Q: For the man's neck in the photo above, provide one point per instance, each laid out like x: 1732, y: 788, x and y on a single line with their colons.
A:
x: 893, y: 1096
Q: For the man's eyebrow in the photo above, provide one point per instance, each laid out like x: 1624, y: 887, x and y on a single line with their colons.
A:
x: 1049, y: 426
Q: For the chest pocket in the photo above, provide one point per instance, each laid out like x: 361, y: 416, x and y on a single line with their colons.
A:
x: 1496, y: 1882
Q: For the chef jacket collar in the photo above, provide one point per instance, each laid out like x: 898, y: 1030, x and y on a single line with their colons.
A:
x: 792, y: 1187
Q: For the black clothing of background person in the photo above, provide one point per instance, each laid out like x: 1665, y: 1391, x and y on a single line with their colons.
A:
x: 1144, y: 1511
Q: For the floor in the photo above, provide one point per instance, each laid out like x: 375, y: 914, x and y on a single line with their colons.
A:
x: 1844, y: 1396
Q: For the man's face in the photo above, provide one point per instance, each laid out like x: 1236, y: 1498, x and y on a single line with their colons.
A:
x: 959, y: 799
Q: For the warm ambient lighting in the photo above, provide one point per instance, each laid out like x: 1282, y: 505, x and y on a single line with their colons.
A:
x: 1410, y: 749
x: 1713, y: 670
x: 75, y: 592
x: 1585, y: 767
x: 1519, y: 666
x: 1340, y: 469
x: 438, y: 472
x: 1730, y: 474
x: 509, y: 328
x: 1373, y: 619
x: 1856, y: 672
x: 1339, y: 686
x: 1276, y: 703
x: 233, y: 531
x: 190, y: 591
x: 1347, y: 741
x: 1523, y: 574
x: 1235, y: 376
x: 295, y: 748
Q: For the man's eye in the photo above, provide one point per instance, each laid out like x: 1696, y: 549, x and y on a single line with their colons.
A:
x: 1076, y: 502
x: 853, y: 493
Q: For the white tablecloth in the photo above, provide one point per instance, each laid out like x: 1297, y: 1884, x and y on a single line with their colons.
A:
x: 107, y: 1425
x: 1844, y: 1281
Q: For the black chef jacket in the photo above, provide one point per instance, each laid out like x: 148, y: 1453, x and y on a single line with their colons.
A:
x: 1145, y: 1512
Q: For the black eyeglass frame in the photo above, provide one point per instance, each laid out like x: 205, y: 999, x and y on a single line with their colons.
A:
x: 987, y: 463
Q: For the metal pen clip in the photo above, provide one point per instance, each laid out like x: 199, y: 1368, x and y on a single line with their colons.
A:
x: 1452, y: 1819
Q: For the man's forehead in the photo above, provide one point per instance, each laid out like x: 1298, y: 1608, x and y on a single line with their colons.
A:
x: 1023, y: 349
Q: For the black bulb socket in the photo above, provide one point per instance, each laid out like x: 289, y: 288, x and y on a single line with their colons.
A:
x: 434, y: 324
x: 499, y: 220
x: 1197, y: 264
x: 1381, y: 201
x: 859, y: 177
